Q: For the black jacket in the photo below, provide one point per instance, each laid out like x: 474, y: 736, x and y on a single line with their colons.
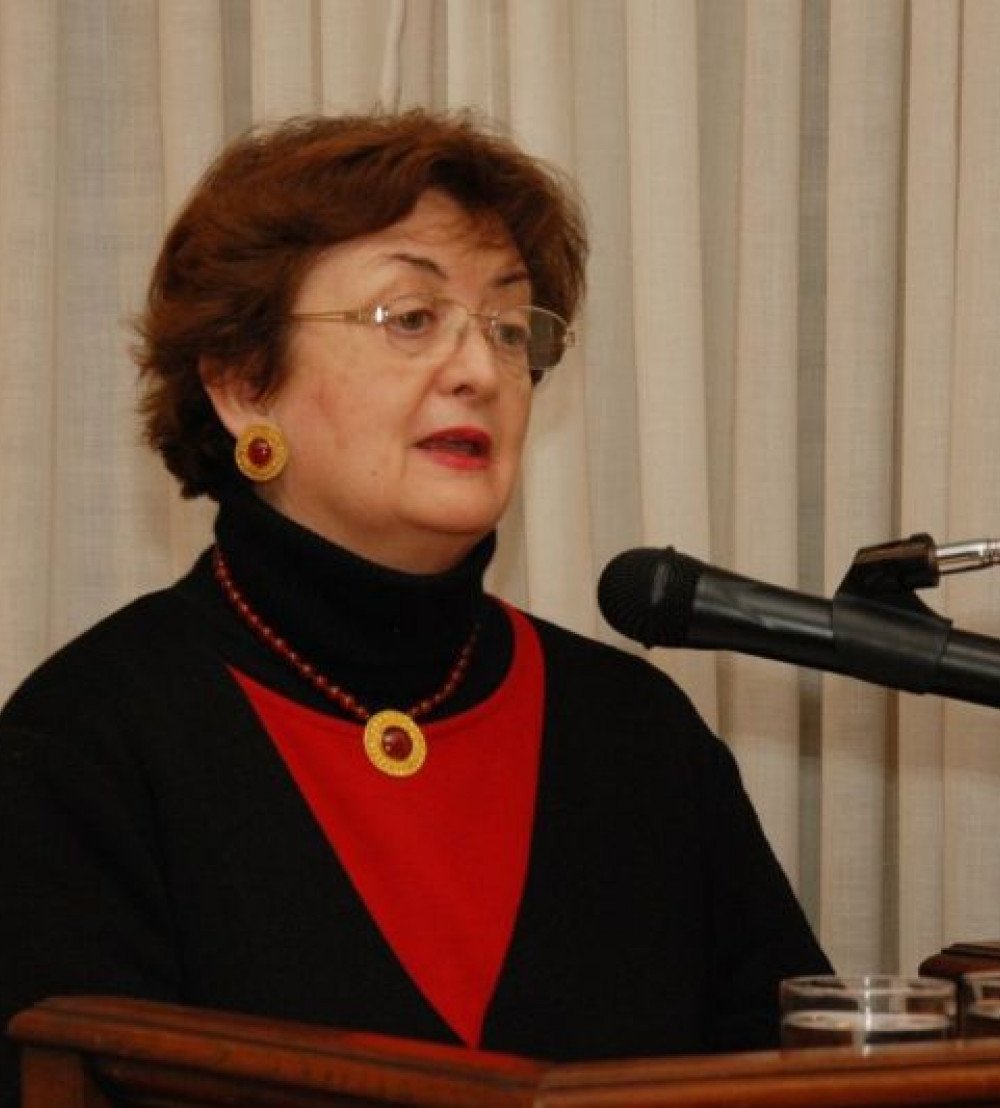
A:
x: 153, y: 844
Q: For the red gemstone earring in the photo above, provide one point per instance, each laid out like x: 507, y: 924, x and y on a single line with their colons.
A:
x: 261, y: 452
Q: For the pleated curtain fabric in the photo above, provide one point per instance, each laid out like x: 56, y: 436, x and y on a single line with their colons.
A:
x: 789, y: 348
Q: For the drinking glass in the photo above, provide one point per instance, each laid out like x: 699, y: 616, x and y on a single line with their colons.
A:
x: 979, y: 1017
x: 866, y: 1010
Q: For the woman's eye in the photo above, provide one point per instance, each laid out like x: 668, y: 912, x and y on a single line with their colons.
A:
x: 511, y: 336
x: 413, y: 321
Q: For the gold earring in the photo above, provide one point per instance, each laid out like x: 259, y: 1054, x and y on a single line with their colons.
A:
x: 261, y: 452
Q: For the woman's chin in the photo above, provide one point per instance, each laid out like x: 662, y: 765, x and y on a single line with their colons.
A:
x: 457, y: 512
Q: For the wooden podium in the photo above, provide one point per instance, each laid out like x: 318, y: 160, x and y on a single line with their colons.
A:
x: 94, y: 1052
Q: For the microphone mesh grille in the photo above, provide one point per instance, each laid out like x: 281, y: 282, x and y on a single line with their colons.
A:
x: 648, y: 594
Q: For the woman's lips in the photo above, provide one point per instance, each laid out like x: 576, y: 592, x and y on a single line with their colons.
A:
x: 460, y: 447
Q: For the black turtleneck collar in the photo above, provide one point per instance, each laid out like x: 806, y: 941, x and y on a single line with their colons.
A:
x: 385, y: 636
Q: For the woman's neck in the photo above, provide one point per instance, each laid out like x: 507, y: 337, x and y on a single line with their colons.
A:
x: 380, y: 632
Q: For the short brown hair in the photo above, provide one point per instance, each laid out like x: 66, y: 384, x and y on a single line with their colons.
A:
x: 233, y: 261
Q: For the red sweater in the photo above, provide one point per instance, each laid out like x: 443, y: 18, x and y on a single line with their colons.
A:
x: 439, y: 858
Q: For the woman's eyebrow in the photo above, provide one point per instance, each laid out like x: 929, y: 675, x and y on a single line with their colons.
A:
x: 429, y: 265
x: 418, y: 261
x: 515, y: 277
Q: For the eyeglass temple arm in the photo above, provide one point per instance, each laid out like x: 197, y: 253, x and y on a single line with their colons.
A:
x: 358, y: 315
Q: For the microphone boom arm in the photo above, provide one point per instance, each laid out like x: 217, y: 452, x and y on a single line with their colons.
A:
x: 873, y: 639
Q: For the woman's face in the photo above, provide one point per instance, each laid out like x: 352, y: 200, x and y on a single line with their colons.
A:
x: 405, y: 460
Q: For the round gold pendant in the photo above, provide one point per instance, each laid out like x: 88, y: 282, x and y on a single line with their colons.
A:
x: 394, y: 743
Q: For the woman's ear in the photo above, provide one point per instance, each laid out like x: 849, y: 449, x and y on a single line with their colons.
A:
x: 260, y: 452
x: 233, y: 395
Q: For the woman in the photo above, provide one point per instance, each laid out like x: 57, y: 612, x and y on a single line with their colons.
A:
x: 324, y: 776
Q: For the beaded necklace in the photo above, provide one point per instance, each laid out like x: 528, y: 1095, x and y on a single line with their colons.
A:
x: 393, y: 740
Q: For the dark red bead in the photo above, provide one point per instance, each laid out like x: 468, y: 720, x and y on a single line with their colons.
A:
x: 259, y: 452
x: 397, y: 744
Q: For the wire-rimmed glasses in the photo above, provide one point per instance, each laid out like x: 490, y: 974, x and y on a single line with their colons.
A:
x: 527, y: 339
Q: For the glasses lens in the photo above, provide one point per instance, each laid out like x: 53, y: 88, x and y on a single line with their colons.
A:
x: 511, y: 334
x: 548, y: 339
x: 530, y: 339
x: 413, y: 323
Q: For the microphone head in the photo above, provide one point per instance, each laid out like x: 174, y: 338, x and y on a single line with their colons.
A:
x: 648, y: 595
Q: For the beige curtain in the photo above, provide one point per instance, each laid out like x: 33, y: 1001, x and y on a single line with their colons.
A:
x: 789, y: 349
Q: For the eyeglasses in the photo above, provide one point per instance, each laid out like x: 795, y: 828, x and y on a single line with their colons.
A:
x: 527, y: 339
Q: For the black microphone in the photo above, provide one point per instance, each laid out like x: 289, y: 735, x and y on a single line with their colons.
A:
x: 665, y: 598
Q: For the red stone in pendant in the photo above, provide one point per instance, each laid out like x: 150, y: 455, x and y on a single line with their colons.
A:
x: 259, y: 452
x: 397, y: 744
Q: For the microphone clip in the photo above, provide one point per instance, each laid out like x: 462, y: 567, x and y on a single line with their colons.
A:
x: 881, y: 581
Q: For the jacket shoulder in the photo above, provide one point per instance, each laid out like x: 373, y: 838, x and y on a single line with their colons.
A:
x: 134, y: 647
x: 592, y: 657
x: 600, y: 683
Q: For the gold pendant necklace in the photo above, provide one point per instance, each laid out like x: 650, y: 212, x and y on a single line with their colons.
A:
x: 393, y: 741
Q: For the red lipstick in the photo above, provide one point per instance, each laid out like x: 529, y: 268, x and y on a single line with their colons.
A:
x: 460, y: 447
